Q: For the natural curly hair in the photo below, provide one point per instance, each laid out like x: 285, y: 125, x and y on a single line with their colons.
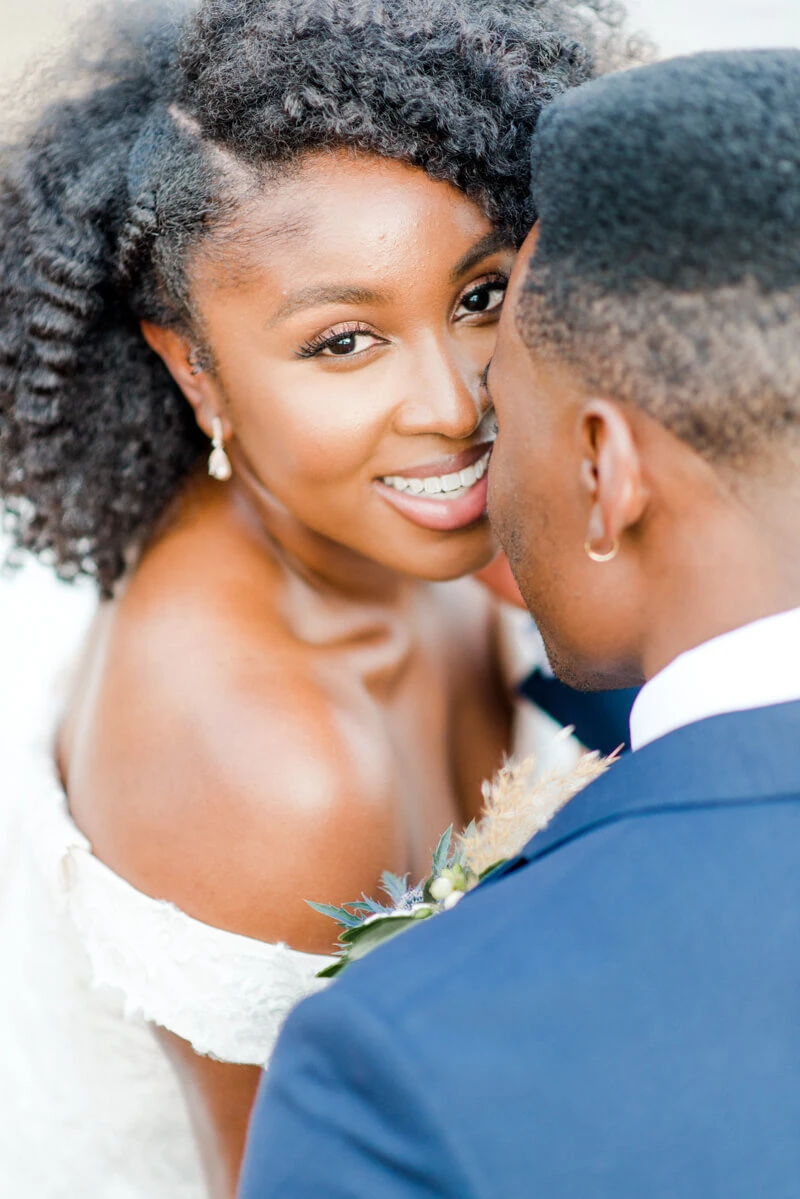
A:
x: 105, y: 194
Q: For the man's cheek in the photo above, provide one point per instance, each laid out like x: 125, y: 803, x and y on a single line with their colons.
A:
x: 495, y: 496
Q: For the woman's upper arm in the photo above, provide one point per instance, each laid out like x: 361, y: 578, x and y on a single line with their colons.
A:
x: 219, y: 1097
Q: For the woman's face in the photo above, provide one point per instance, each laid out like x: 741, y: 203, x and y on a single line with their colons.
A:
x: 349, y: 336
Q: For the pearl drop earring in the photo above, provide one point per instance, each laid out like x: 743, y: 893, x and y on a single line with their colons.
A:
x: 219, y: 464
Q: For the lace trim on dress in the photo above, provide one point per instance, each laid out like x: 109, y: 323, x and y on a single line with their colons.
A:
x: 226, y: 994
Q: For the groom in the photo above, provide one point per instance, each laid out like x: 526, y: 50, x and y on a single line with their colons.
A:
x: 616, y: 1014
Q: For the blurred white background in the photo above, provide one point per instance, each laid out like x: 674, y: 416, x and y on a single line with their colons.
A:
x: 677, y: 26
x: 683, y: 26
x: 40, y: 619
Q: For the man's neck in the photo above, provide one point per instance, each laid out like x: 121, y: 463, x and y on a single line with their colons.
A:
x: 722, y: 573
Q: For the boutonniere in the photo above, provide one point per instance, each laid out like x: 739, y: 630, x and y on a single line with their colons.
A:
x: 516, y: 807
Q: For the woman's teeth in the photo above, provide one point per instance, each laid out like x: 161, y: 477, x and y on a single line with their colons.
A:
x: 441, y: 485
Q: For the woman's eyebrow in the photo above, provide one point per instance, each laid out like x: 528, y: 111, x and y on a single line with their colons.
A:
x: 498, y: 239
x: 313, y: 297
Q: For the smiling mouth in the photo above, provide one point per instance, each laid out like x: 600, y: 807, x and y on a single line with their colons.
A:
x: 443, y: 503
x: 441, y: 487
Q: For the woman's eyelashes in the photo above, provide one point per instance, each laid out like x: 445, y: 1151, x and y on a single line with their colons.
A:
x: 344, y: 341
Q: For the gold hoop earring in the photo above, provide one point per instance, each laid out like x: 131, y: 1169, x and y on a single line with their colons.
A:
x: 607, y: 557
x: 219, y: 464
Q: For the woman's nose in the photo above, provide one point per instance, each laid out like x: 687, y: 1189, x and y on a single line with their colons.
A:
x: 442, y: 394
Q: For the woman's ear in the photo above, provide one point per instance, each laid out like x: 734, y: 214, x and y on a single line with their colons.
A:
x: 180, y: 359
x: 611, y: 474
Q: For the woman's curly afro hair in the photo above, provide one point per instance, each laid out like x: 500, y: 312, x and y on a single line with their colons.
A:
x: 103, y: 197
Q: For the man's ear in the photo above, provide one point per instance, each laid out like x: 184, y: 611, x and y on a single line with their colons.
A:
x: 611, y: 474
x: 199, y: 387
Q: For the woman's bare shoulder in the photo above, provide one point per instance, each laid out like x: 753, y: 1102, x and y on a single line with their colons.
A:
x: 214, y: 765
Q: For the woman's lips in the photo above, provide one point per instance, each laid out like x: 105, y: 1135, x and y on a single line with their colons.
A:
x: 452, y: 464
x: 444, y: 501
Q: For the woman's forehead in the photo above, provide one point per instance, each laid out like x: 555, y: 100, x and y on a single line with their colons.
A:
x: 341, y: 215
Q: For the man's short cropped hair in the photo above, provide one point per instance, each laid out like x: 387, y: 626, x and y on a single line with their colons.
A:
x: 668, y: 263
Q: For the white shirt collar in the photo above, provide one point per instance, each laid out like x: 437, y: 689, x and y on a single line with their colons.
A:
x: 752, y: 667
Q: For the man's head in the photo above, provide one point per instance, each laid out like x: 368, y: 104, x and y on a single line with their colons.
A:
x: 647, y: 376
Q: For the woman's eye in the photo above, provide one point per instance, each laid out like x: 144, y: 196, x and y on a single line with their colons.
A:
x: 341, y: 345
x: 486, y: 297
x: 348, y: 343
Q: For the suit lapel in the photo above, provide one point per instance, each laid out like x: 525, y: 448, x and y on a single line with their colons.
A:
x: 730, y: 759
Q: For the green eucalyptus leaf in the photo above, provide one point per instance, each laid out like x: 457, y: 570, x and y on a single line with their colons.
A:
x: 354, y: 934
x: 375, y: 933
x: 335, y: 968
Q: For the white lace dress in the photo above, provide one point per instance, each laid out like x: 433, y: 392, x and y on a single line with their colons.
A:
x: 89, y: 1106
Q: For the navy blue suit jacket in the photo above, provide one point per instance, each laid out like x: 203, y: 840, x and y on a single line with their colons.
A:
x: 618, y: 1017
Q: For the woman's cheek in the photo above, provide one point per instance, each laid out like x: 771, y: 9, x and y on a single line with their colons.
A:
x: 324, y: 429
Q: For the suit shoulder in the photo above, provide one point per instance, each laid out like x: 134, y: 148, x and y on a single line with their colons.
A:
x: 623, y: 895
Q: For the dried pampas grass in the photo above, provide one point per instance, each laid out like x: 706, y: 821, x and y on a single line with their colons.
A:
x: 517, y: 806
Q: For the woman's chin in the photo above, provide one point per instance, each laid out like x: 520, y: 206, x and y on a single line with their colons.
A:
x: 436, y: 538
x: 441, y: 557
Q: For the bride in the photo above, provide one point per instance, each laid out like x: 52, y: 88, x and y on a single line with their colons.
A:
x: 252, y: 265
